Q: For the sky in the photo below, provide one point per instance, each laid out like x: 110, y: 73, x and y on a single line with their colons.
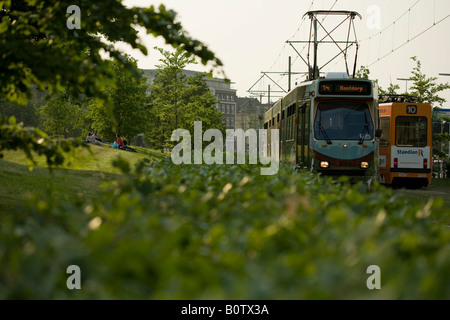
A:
x: 249, y: 37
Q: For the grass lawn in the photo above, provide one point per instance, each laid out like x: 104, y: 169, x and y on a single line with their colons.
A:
x: 82, y: 177
x: 439, y: 188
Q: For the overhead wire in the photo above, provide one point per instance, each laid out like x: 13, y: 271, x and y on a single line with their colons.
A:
x: 408, y: 41
x: 296, y: 32
x: 304, y: 46
x: 285, y: 44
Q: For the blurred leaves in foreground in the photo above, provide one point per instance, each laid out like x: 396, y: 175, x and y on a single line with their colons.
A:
x: 225, y: 232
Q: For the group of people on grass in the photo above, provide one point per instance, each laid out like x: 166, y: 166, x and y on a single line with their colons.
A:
x: 94, y: 138
x: 119, y: 143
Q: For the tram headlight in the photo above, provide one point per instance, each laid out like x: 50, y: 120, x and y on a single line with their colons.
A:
x: 324, y: 164
x: 364, y: 165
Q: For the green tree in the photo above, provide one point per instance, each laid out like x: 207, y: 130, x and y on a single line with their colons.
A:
x: 126, y: 110
x: 177, y: 100
x: 364, y: 73
x: 165, y: 98
x: 200, y: 105
x: 28, y: 114
x: 38, y: 48
x: 391, y: 90
x: 424, y: 88
x: 62, y: 116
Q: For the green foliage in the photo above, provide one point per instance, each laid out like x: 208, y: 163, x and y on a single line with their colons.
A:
x: 37, y: 47
x: 226, y: 232
x: 14, y: 136
x: 424, y: 88
x: 27, y: 114
x: 391, y: 90
x: 62, y: 116
x: 199, y: 104
x: 440, y: 139
x: 177, y: 100
x: 363, y: 72
x: 126, y: 111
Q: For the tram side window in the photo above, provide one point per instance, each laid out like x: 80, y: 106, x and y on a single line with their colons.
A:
x: 385, y: 124
x: 411, y: 131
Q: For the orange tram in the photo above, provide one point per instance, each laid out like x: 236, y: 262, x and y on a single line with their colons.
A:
x: 405, y: 146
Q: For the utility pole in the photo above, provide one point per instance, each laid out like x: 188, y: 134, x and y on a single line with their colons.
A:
x: 315, y: 68
x: 289, y: 74
x: 404, y: 79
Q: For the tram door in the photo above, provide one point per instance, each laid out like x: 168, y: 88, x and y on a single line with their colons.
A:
x: 302, y: 134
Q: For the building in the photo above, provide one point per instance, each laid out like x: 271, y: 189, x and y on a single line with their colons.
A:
x: 221, y: 89
x: 250, y: 113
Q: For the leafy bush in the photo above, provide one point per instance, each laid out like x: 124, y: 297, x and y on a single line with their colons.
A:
x: 226, y: 232
x: 13, y: 136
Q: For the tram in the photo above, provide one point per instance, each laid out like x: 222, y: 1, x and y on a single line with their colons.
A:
x: 328, y: 125
x: 405, y: 146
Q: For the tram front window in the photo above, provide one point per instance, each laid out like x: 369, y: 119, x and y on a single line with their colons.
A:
x: 343, y: 121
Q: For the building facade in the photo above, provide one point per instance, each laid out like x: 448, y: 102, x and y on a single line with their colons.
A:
x: 250, y: 113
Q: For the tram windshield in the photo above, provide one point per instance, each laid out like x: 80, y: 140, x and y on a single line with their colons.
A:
x: 411, y: 131
x: 343, y: 121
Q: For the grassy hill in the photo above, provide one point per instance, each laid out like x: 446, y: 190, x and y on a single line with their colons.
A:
x: 79, y: 177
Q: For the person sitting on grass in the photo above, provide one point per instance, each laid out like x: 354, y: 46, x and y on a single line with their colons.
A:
x: 122, y: 144
x: 127, y: 147
x: 96, y: 136
x: 91, y: 139
x: 88, y: 138
x: 119, y: 141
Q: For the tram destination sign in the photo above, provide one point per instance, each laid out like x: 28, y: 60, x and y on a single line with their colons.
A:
x: 345, y: 88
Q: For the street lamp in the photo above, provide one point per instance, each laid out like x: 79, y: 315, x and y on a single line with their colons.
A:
x: 444, y: 74
x: 404, y: 79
